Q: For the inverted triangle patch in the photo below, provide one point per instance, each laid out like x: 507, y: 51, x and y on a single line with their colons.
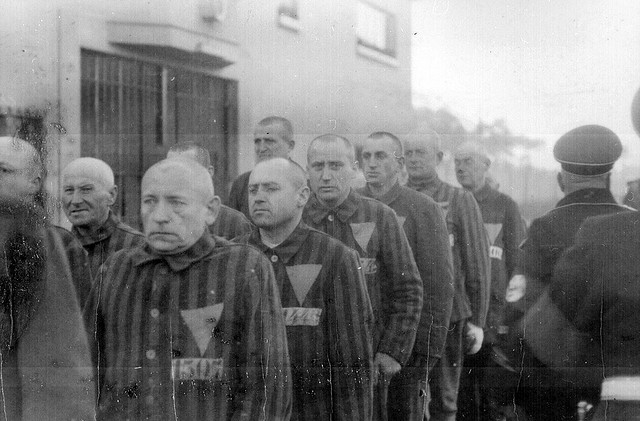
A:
x: 401, y: 220
x: 445, y: 207
x: 493, y: 230
x: 362, y: 232
x: 302, y: 278
x: 201, y: 322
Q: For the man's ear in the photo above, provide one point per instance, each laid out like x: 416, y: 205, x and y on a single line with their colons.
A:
x: 560, y: 182
x: 439, y: 156
x: 400, y: 161
x: 303, y: 196
x: 292, y: 144
x: 113, y: 195
x: 213, y: 209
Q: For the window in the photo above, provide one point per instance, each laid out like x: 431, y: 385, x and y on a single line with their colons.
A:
x: 288, y: 15
x: 376, y: 30
x: 133, y: 111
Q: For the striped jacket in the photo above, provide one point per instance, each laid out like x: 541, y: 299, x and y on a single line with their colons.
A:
x: 189, y: 336
x: 78, y: 262
x: 506, y: 231
x: 328, y: 316
x: 395, y: 288
x: 426, y: 229
x: 470, y: 248
x: 230, y: 224
x: 239, y: 194
x: 112, y: 236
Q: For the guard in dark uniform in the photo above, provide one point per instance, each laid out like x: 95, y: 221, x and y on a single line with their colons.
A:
x: 586, y: 155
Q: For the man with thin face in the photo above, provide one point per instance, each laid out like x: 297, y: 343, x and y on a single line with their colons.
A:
x: 272, y: 138
x: 372, y: 229
x: 326, y: 305
x: 471, y: 266
x: 485, y: 385
x: 88, y: 192
x: 45, y: 359
x: 229, y: 223
x: 426, y: 230
x: 189, y: 325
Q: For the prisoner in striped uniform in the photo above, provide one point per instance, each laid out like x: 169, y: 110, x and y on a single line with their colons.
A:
x: 372, y: 229
x: 485, y: 386
x: 425, y: 227
x: 88, y: 192
x: 471, y: 268
x: 324, y: 298
x: 189, y: 326
x: 229, y: 223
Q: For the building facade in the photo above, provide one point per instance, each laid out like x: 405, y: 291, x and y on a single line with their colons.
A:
x: 124, y: 80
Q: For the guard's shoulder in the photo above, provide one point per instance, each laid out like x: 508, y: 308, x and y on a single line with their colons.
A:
x: 611, y: 227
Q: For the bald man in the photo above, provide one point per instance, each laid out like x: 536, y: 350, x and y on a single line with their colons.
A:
x: 229, y: 223
x: 471, y: 266
x: 326, y: 305
x: 373, y: 230
x: 484, y: 385
x: 45, y: 363
x: 189, y: 325
x: 272, y: 138
x: 88, y: 192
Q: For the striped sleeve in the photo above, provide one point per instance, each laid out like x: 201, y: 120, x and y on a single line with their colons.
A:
x: 403, y: 292
x: 350, y: 322
x: 474, y: 249
x: 265, y: 393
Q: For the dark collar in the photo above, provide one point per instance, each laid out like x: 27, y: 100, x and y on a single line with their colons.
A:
x: 317, y: 211
x: 483, y: 193
x: 102, y: 233
x: 203, y: 247
x: 289, y: 247
x: 387, y: 198
x: 430, y: 184
x: 590, y: 195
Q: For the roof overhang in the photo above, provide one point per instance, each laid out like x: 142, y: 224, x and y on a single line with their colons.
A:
x: 168, y: 41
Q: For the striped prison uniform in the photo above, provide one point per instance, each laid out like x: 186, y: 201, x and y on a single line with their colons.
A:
x: 195, y: 335
x: 472, y: 277
x: 110, y: 237
x: 78, y: 263
x: 394, y: 285
x: 230, y: 224
x: 239, y: 194
x: 485, y: 386
x: 329, y: 318
x: 424, y: 224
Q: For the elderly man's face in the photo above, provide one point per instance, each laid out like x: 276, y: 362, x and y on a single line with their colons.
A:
x: 471, y: 170
x: 269, y: 142
x: 330, y: 172
x: 175, y: 212
x: 421, y: 158
x: 19, y: 179
x: 86, y: 199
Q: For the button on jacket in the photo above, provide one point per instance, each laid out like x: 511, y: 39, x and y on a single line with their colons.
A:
x: 189, y: 336
x: 395, y: 288
x: 328, y: 317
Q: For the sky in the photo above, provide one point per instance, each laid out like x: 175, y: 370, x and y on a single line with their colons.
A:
x: 544, y: 66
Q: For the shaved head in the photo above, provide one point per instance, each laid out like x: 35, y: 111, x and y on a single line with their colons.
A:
x: 293, y: 172
x: 427, y: 138
x: 21, y: 169
x: 473, y: 148
x: 327, y: 139
x: 195, y: 176
x: 28, y: 153
x: 92, y: 168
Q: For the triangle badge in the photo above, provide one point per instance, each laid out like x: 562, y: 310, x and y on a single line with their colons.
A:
x: 445, y: 207
x: 362, y: 233
x: 401, y: 220
x: 493, y: 230
x: 201, y: 322
x: 302, y: 278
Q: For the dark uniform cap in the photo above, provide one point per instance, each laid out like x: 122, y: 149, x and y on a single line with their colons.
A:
x: 588, y: 150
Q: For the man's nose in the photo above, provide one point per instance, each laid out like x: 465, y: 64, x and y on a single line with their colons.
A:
x: 326, y: 173
x: 76, y: 197
x: 161, y: 213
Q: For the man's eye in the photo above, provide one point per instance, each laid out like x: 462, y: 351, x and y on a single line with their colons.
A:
x: 335, y: 166
x: 271, y: 189
x: 253, y: 190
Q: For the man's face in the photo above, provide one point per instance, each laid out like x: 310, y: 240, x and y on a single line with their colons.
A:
x: 269, y: 143
x: 274, y: 200
x: 421, y: 158
x: 471, y: 170
x: 18, y: 180
x: 175, y: 212
x: 86, y: 200
x: 330, y: 172
x: 380, y: 162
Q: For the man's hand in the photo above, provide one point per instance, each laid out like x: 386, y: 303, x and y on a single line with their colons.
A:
x: 474, y: 336
x: 516, y: 289
x: 384, y: 367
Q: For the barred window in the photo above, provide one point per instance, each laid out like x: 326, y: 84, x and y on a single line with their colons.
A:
x: 376, y: 29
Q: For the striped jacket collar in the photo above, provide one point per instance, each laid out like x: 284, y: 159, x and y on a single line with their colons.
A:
x: 289, y: 247
x: 345, y: 210
x: 387, y: 198
x: 428, y: 185
x: 102, y: 233
x: 180, y: 261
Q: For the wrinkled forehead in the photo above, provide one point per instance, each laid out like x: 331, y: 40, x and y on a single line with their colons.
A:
x: 334, y: 150
x: 177, y: 179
